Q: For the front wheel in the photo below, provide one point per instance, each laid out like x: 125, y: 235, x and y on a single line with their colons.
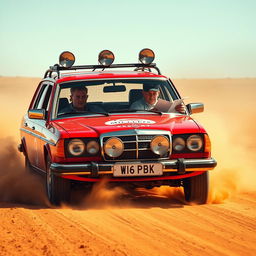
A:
x: 58, y: 189
x: 196, y: 188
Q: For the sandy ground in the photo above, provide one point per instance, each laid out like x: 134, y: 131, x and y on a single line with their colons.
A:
x: 146, y: 222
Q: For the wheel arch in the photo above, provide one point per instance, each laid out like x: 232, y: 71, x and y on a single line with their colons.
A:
x: 24, y: 146
x: 47, y: 153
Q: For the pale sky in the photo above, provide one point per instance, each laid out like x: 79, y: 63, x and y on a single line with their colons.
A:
x: 191, y: 38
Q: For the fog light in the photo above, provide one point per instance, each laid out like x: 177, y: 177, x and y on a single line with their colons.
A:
x: 146, y: 56
x: 114, y: 147
x: 106, y: 58
x: 160, y: 145
x: 67, y: 59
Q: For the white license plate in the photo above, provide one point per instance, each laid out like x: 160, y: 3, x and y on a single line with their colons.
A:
x: 137, y: 169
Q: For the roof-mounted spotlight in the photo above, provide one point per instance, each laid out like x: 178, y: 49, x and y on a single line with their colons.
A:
x: 67, y: 59
x: 146, y: 56
x: 106, y: 58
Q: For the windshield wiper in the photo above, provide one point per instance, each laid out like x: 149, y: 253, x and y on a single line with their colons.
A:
x: 82, y: 112
x: 122, y: 111
x: 154, y: 111
x: 134, y: 110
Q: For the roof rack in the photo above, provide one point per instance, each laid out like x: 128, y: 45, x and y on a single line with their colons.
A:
x: 138, y: 66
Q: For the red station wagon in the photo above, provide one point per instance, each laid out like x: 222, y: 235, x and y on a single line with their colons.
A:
x: 107, y: 137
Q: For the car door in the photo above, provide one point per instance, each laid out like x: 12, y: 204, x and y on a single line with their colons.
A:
x: 35, y: 127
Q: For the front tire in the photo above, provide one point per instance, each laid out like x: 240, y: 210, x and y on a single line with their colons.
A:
x: 58, y: 189
x: 196, y: 188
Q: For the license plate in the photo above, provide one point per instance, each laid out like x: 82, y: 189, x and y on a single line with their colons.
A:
x: 137, y: 169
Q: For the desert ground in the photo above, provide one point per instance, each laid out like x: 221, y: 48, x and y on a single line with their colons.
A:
x: 146, y: 222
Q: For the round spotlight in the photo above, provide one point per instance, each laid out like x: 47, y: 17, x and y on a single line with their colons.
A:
x: 67, y: 59
x: 76, y: 147
x: 93, y: 147
x: 160, y: 145
x: 194, y: 142
x: 106, y: 58
x: 114, y: 147
x: 178, y: 144
x: 146, y: 56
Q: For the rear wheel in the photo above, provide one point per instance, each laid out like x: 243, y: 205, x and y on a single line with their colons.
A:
x: 196, y: 188
x: 58, y: 189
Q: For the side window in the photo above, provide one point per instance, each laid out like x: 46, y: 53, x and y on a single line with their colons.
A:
x: 38, y: 97
x: 43, y: 97
x: 46, y: 102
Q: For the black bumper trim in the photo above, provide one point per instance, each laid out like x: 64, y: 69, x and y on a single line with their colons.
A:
x: 94, y: 169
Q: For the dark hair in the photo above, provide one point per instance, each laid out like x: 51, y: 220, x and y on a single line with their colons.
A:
x: 78, y: 88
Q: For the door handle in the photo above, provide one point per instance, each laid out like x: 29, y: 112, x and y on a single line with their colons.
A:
x: 33, y: 127
x: 25, y: 124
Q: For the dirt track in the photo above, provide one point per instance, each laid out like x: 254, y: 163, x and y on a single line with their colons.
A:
x: 154, y: 222
x: 151, y: 226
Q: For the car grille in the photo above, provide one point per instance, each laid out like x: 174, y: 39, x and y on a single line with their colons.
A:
x: 135, y: 147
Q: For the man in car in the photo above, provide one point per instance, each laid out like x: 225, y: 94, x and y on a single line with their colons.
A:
x: 150, y: 97
x: 78, y: 98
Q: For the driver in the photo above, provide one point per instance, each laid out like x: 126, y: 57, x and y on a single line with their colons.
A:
x: 78, y: 100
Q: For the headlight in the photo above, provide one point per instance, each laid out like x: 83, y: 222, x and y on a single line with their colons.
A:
x: 76, y: 147
x: 160, y: 145
x: 114, y: 147
x: 194, y: 142
x: 93, y: 147
x: 178, y: 144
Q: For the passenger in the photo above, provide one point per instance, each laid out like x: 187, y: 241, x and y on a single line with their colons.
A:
x: 150, y: 97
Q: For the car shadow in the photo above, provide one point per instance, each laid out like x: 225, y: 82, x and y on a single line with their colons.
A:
x: 163, y: 197
x: 81, y: 201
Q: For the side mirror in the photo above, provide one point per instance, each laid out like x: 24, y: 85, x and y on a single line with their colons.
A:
x: 195, y: 108
x: 37, y: 114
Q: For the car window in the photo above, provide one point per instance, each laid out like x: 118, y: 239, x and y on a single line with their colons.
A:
x: 39, y: 94
x: 42, y: 101
x: 112, y: 95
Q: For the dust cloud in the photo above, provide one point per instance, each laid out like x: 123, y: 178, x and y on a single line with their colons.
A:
x: 229, y: 119
x: 17, y: 185
x: 102, y: 196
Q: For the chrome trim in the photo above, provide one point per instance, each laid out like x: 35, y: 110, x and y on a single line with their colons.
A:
x: 38, y: 136
x: 137, y: 147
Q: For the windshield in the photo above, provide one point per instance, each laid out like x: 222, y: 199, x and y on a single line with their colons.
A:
x: 113, y: 96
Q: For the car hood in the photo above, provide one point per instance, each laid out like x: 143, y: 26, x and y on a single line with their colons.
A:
x: 94, y: 126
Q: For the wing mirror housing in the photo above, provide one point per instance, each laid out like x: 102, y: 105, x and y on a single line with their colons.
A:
x: 37, y: 114
x: 195, y: 108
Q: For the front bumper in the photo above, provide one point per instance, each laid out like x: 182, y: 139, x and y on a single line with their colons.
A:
x: 179, y: 166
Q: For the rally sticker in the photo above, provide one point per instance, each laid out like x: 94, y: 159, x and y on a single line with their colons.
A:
x: 129, y: 121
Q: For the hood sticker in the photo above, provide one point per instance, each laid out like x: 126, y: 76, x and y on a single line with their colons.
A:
x: 137, y: 122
